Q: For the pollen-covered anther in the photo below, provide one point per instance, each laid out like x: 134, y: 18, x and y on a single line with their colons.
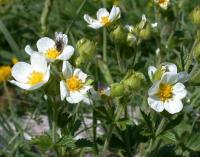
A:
x: 165, y: 92
x: 74, y: 83
x: 105, y: 20
x: 35, y: 78
x: 52, y: 53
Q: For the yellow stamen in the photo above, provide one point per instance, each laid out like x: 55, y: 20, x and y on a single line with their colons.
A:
x: 74, y: 83
x: 161, y: 1
x: 14, y: 60
x: 5, y: 72
x: 52, y: 53
x: 105, y: 20
x: 165, y: 92
x: 35, y: 78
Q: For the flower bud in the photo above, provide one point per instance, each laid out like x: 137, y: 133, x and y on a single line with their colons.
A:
x: 145, y: 32
x: 133, y: 80
x: 86, y: 48
x: 195, y: 15
x: 131, y: 39
x: 118, y: 35
x: 116, y: 89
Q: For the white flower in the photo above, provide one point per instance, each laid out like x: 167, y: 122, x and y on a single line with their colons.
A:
x: 57, y: 49
x: 31, y: 76
x: 74, y: 88
x: 155, y: 74
x: 167, y: 94
x: 162, y: 3
x: 104, y: 18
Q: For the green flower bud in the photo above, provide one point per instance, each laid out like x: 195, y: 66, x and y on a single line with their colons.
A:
x: 86, y: 48
x: 116, y: 89
x: 195, y: 15
x: 118, y: 35
x: 131, y: 39
x: 196, y: 51
x: 145, y: 32
x: 133, y: 80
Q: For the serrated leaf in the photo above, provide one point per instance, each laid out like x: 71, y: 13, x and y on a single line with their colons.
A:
x: 193, y: 142
x: 123, y: 123
x: 67, y: 141
x: 80, y: 143
x: 43, y: 141
x: 168, y: 137
x: 173, y: 123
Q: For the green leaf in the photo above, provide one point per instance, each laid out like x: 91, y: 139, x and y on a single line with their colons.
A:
x: 89, y: 82
x: 67, y: 141
x: 147, y: 119
x: 173, y: 123
x: 123, y: 123
x: 80, y: 143
x: 168, y: 137
x: 193, y: 142
x: 43, y: 141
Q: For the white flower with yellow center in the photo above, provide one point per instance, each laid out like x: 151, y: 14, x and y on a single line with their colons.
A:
x: 104, y: 18
x: 155, y: 74
x: 74, y: 88
x: 31, y: 76
x: 162, y: 3
x: 57, y: 49
x: 167, y: 94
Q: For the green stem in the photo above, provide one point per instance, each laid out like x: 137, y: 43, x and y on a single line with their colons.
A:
x: 9, y: 99
x: 77, y: 13
x: 160, y: 127
x: 104, y: 45
x: 189, y: 60
x: 45, y: 14
x: 110, y: 130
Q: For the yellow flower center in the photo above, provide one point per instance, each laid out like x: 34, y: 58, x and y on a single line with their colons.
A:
x: 5, y: 72
x: 52, y: 53
x: 105, y: 20
x: 74, y: 83
x: 161, y: 1
x: 35, y: 78
x: 165, y: 92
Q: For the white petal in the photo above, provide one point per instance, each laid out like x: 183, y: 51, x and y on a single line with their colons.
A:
x: 67, y: 69
x: 102, y: 12
x: 151, y: 71
x: 63, y: 90
x: 85, y: 89
x: 68, y: 51
x: 154, y: 25
x: 44, y: 44
x: 92, y: 22
x: 154, y: 88
x: 114, y: 14
x: 155, y: 104
x: 88, y: 101
x: 21, y: 71
x: 170, y: 67
x: 173, y: 106
x: 36, y: 86
x: 38, y: 62
x: 169, y: 78
x: 47, y: 75
x: 21, y: 85
x: 29, y: 50
x: 179, y: 91
x: 130, y: 28
x: 82, y: 76
x: 75, y: 97
x: 60, y: 36
x: 183, y: 77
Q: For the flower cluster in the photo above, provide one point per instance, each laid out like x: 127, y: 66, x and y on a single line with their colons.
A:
x: 32, y: 76
x: 166, y: 92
